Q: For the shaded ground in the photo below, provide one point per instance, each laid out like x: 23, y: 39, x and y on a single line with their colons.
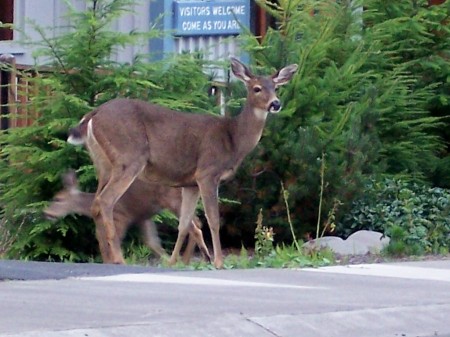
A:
x: 33, y: 270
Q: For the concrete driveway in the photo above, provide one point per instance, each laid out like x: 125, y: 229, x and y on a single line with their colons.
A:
x: 394, y: 299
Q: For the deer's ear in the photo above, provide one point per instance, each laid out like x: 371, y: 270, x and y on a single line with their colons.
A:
x: 70, y: 179
x: 284, y: 75
x: 240, y: 70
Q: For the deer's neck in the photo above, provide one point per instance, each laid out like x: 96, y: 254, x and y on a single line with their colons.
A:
x: 84, y: 203
x: 249, y: 127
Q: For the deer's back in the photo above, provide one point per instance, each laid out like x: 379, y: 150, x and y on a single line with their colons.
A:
x: 170, y: 142
x: 125, y: 119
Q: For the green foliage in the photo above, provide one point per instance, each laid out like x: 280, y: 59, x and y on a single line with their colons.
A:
x: 81, y: 75
x: 420, y: 36
x: 265, y: 255
x: 282, y: 256
x: 288, y: 256
x: 353, y: 102
x: 263, y: 238
x: 415, y: 217
x: 399, y: 245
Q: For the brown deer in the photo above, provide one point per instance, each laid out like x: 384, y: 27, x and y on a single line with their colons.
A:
x: 138, y: 204
x: 130, y: 139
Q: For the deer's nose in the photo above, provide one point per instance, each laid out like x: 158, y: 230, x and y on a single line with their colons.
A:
x: 275, y: 106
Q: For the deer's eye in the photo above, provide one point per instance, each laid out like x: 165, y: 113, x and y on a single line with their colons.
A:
x: 257, y: 89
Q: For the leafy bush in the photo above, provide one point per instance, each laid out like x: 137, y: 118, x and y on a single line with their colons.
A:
x: 415, y: 217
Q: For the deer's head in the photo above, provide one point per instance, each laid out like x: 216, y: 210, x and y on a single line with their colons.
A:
x: 67, y: 201
x: 261, y: 90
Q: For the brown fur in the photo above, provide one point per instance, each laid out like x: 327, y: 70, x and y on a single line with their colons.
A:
x: 136, y: 206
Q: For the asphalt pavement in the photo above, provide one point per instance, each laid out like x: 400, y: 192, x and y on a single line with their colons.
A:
x: 372, y: 300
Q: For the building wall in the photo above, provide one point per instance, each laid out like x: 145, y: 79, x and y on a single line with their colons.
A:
x: 50, y: 14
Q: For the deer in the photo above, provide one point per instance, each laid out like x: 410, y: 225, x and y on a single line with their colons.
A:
x: 131, y: 139
x: 136, y: 207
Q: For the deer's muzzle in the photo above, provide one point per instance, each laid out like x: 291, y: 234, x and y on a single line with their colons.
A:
x: 275, y: 106
x: 50, y: 217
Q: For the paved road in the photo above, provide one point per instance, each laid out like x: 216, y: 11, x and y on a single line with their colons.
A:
x: 399, y: 299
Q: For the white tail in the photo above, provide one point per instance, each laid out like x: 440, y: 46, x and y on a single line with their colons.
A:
x: 132, y: 139
x: 136, y: 206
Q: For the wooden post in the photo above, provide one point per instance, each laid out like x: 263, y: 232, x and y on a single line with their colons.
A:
x: 261, y: 23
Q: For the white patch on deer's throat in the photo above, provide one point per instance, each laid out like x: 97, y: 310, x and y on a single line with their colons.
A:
x: 260, y: 113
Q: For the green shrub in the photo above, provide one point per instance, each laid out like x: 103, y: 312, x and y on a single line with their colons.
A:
x: 415, y: 217
x: 263, y: 239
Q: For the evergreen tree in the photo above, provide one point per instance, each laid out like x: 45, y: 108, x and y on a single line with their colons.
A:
x: 349, y: 113
x: 419, y: 34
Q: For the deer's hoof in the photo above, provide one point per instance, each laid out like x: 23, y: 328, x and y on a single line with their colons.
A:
x: 186, y: 259
x: 218, y: 264
x: 207, y: 258
x: 118, y: 261
x: 172, y: 261
x: 114, y: 261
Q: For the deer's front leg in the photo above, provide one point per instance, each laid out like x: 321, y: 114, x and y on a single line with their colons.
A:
x: 209, y: 194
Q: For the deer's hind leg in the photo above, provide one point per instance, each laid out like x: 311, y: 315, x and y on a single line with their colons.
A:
x: 190, y: 197
x: 196, y: 238
x: 109, y: 245
x: 103, y: 210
